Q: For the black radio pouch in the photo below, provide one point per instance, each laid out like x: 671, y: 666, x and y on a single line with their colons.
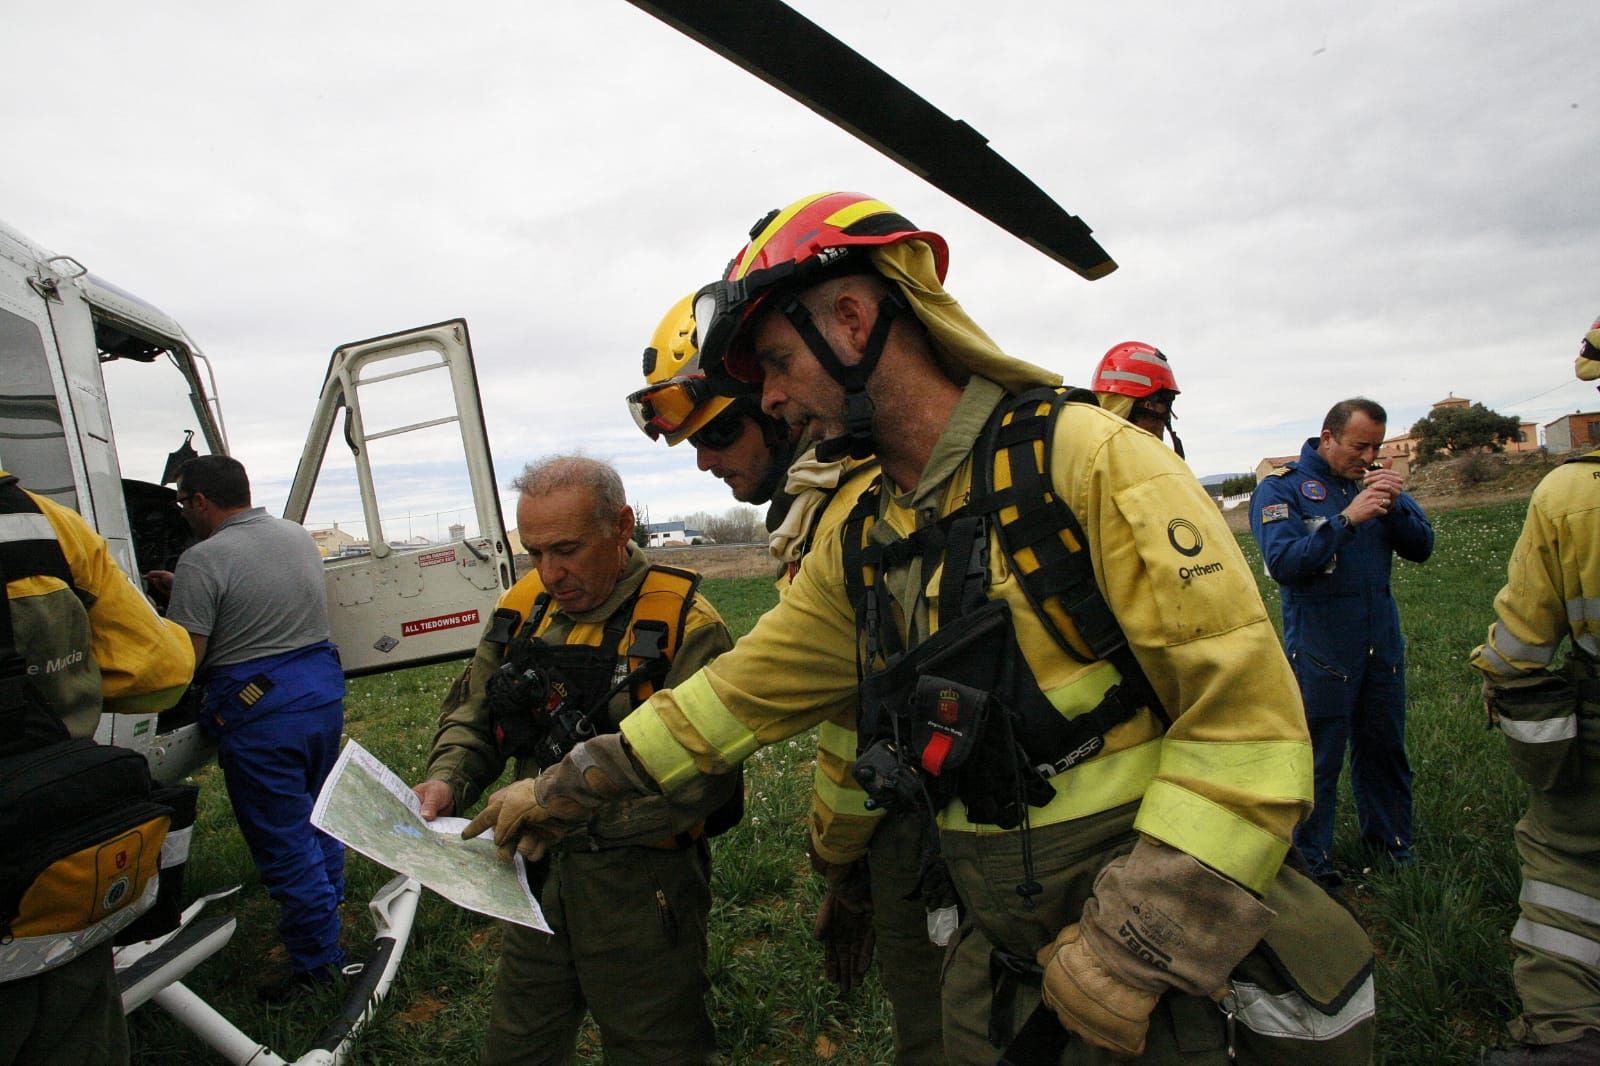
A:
x: 939, y: 702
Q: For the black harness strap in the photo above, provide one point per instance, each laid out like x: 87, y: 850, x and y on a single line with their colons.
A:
x: 1062, y: 576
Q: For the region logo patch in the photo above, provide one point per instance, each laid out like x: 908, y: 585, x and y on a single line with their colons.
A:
x: 1314, y: 490
x: 1274, y: 512
x: 1184, y: 537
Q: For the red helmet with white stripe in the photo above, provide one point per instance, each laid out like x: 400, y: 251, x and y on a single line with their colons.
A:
x: 1135, y: 369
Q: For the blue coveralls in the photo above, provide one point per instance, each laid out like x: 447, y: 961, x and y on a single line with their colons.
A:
x: 275, y: 750
x: 1342, y: 632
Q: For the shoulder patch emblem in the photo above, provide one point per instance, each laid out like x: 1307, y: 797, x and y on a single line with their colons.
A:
x: 1274, y: 512
x: 1314, y: 490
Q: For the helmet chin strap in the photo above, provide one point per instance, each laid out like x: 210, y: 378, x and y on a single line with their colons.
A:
x: 1166, y: 420
x: 856, y: 441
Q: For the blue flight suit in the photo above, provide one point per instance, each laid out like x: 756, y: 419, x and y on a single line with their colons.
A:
x: 276, y: 744
x: 1342, y: 632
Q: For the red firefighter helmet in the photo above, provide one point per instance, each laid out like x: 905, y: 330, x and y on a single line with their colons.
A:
x: 795, y: 247
x: 1135, y: 369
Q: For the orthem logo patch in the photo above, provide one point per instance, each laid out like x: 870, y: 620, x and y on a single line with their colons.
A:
x: 1184, y: 537
x: 1314, y: 490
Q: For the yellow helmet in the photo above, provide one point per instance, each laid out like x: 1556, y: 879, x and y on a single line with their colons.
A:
x: 1587, y: 365
x: 677, y: 401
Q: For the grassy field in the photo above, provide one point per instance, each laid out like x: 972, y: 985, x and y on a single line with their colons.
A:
x: 1444, y: 981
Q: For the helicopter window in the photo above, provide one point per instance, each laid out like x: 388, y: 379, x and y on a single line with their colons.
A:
x: 33, y: 442
x: 115, y: 342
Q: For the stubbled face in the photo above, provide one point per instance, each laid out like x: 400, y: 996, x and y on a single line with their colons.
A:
x: 1349, y: 453
x: 794, y: 387
x: 578, y: 559
x: 742, y: 465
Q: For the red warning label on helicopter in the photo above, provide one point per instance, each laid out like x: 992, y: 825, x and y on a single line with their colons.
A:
x: 441, y: 621
x: 448, y: 555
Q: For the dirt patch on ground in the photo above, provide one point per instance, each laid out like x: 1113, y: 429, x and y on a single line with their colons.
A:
x: 711, y: 560
x: 720, y: 560
x: 1452, y: 484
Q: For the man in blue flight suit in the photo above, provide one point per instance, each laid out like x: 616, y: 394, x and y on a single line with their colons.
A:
x: 1328, y: 527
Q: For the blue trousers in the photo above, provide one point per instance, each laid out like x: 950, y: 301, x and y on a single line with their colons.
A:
x: 274, y: 766
x: 1365, y: 711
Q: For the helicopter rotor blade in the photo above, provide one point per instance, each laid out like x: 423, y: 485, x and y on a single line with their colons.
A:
x: 793, y: 54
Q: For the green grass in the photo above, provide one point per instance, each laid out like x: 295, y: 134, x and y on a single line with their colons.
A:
x: 1444, y: 974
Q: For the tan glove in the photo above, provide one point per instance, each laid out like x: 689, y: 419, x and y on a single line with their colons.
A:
x: 531, y: 815
x: 844, y: 921
x: 1092, y: 1001
x: 1159, y: 918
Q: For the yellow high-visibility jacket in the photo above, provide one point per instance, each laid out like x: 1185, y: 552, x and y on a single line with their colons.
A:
x: 841, y: 825
x: 1226, y: 783
x: 1552, y: 588
x: 99, y: 644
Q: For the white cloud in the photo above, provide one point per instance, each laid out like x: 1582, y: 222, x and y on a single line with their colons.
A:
x: 1306, y: 200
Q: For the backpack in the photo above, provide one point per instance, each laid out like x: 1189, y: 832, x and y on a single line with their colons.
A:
x: 81, y: 824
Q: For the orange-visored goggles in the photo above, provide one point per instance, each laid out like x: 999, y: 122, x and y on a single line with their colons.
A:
x: 665, y: 407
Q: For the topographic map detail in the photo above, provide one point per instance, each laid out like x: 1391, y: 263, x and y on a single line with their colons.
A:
x: 364, y: 805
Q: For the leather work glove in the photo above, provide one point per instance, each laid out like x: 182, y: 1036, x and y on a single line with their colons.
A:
x: 1092, y: 1001
x: 844, y: 921
x: 531, y: 815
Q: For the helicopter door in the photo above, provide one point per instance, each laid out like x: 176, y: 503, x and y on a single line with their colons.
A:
x: 415, y: 577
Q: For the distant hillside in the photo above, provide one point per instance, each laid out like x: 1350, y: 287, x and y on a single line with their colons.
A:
x: 1217, y: 479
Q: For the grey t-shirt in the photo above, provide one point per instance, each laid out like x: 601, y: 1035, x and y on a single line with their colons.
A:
x: 254, y: 588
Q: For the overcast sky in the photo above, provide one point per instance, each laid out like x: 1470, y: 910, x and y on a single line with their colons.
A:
x: 1307, y: 200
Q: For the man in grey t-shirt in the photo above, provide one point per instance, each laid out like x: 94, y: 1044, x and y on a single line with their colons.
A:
x: 252, y: 598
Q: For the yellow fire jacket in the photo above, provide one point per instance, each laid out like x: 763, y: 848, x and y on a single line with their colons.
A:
x: 841, y: 825
x: 1226, y: 783
x: 101, y: 647
x: 1552, y: 588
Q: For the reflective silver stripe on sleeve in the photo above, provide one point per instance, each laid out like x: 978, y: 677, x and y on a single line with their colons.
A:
x: 14, y: 527
x: 1498, y: 663
x: 1290, y: 1015
x: 1123, y: 375
x: 1509, y: 647
x: 1545, y: 731
x: 1585, y: 611
x: 1556, y: 941
x: 175, y: 849
x: 1583, y: 608
x: 1565, y: 900
x: 29, y: 955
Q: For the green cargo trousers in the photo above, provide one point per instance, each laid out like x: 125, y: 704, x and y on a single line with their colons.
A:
x: 908, y: 963
x: 629, y: 946
x: 1190, y: 1030
x: 68, y: 1016
x: 1556, y: 941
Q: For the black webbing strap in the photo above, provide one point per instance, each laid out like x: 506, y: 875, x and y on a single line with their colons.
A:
x: 1023, y: 431
x: 1041, y: 1039
x: 1039, y: 1042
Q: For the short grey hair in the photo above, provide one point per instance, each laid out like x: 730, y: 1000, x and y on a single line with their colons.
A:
x: 564, y: 471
